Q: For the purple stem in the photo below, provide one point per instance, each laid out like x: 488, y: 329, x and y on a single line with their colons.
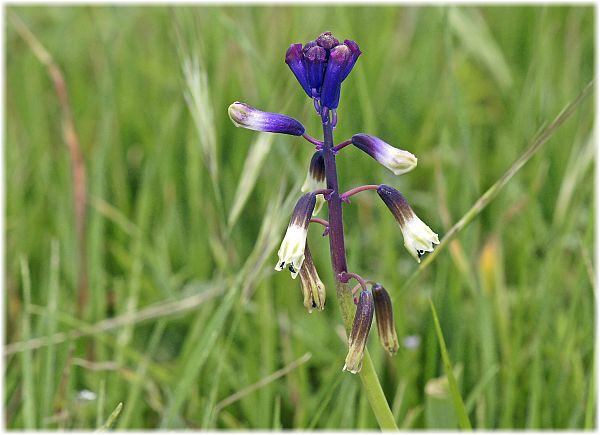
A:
x: 312, y: 140
x: 342, y: 145
x: 346, y: 276
x: 336, y: 223
x: 344, y: 196
x: 320, y: 221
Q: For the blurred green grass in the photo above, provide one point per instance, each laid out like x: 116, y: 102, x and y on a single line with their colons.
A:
x: 465, y: 89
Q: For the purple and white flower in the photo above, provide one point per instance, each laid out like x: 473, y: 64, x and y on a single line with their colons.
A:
x: 291, y: 251
x: 396, y: 160
x: 248, y: 117
x: 418, y: 237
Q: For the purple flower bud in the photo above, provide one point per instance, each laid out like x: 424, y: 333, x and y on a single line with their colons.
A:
x: 292, y: 247
x: 313, y: 289
x: 247, y: 116
x: 327, y: 40
x: 336, y: 67
x: 418, y: 237
x: 385, y: 319
x: 294, y: 57
x: 308, y: 46
x: 315, y: 59
x: 396, y: 160
x: 354, y: 53
x: 315, y: 179
x: 360, y: 332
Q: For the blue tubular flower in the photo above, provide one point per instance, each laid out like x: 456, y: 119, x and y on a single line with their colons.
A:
x: 294, y: 57
x: 354, y: 53
x: 248, y: 117
x: 336, y: 67
x: 316, y: 60
x: 396, y: 160
x: 321, y: 66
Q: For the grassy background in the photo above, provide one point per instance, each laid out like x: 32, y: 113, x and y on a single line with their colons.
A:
x: 185, y: 213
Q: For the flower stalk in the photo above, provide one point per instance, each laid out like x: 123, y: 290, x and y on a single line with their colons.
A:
x: 320, y: 66
x: 367, y: 374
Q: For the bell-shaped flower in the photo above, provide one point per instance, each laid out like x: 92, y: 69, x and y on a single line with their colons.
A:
x: 418, y: 237
x: 315, y: 179
x: 313, y: 289
x: 396, y: 160
x: 294, y: 57
x: 291, y: 251
x: 248, y: 117
x: 360, y: 332
x: 385, y: 319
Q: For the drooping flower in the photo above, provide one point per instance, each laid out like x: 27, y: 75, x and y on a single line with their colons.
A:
x: 291, y: 251
x: 396, y: 160
x: 418, y: 237
x: 360, y: 332
x: 313, y: 289
x: 385, y: 319
x: 315, y: 179
x: 248, y: 117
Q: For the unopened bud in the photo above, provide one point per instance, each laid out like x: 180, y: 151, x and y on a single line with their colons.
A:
x: 385, y: 319
x: 396, y: 160
x: 248, y: 117
x: 327, y: 40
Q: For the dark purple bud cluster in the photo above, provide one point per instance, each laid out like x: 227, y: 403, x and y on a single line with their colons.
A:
x: 321, y: 66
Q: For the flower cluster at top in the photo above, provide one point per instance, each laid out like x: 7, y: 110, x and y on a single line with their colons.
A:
x: 320, y: 66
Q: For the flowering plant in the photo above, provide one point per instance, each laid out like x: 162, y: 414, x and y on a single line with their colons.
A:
x: 321, y: 66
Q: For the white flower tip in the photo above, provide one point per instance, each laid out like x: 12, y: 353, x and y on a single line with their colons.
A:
x: 291, y: 251
x: 237, y: 111
x: 418, y: 238
x: 402, y: 162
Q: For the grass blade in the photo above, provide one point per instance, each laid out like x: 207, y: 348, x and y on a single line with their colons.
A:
x: 495, y: 189
x: 27, y: 370
x: 254, y: 162
x: 110, y: 421
x: 459, y: 406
